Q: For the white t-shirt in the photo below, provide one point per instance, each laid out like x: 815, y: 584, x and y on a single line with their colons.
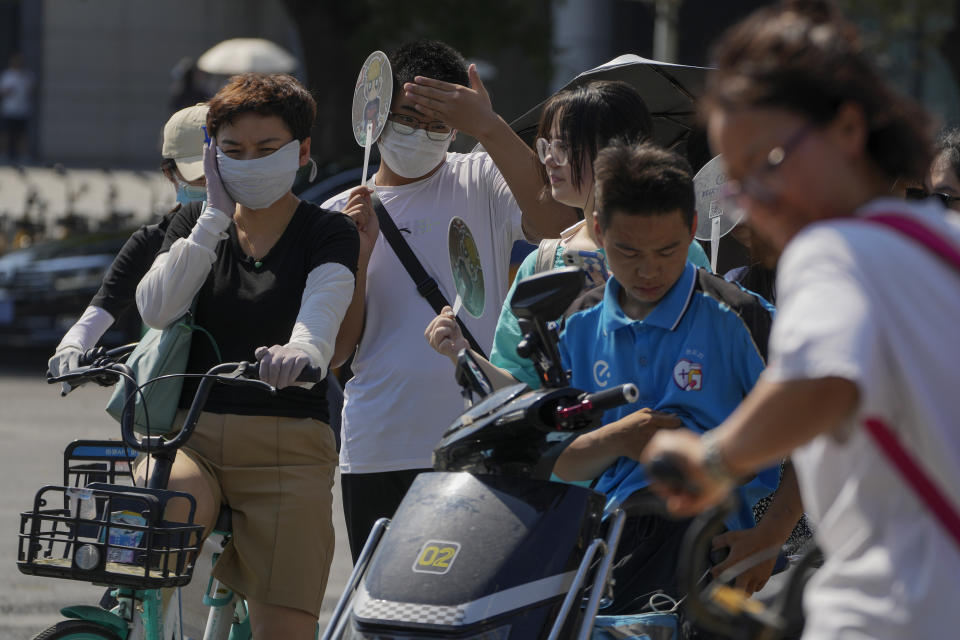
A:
x: 15, y: 87
x: 863, y: 302
x: 403, y: 395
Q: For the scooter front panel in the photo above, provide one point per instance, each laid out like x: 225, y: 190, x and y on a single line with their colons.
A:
x: 464, y: 548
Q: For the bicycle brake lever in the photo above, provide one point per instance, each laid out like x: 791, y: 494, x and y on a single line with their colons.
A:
x: 238, y: 378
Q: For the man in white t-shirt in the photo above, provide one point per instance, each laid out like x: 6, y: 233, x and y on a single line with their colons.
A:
x: 403, y: 395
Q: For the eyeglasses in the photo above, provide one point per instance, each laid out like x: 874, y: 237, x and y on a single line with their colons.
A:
x: 913, y: 193
x: 406, y: 125
x: 556, y: 149
x: 759, y: 185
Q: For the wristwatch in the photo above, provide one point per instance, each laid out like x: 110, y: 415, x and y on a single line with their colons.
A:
x: 713, y: 461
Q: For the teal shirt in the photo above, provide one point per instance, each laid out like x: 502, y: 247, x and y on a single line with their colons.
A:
x: 508, y: 336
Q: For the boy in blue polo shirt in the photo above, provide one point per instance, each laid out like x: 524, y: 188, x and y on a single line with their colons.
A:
x: 693, y: 344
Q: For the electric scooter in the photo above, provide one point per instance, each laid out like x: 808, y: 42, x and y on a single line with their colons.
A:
x: 486, y: 547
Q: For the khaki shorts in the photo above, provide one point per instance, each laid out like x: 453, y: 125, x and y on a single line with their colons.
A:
x: 276, y: 475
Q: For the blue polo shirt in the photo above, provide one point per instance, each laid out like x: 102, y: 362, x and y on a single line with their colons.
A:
x: 696, y: 355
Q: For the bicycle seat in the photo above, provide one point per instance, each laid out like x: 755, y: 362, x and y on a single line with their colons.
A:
x: 224, y: 520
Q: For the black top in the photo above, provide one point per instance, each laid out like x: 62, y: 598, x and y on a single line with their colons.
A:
x: 116, y: 294
x: 247, y: 304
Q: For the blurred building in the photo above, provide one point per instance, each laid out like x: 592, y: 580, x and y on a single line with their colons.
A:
x: 104, y: 67
x: 587, y: 33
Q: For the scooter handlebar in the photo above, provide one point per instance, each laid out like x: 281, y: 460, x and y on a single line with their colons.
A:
x: 615, y: 397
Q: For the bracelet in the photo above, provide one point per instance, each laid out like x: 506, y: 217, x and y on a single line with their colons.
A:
x: 713, y: 461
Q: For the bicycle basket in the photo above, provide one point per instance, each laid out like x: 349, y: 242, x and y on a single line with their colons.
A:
x: 108, y: 534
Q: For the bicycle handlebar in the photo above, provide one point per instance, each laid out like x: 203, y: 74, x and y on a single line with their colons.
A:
x: 91, y: 356
x: 666, y: 470
x: 235, y: 373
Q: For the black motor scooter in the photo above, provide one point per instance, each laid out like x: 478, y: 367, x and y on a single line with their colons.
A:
x: 486, y: 547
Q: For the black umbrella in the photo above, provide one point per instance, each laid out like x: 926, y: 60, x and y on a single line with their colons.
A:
x: 670, y: 91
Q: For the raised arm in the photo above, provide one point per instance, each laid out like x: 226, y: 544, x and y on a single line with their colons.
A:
x: 468, y: 109
x: 166, y: 291
x: 444, y: 335
x: 360, y: 209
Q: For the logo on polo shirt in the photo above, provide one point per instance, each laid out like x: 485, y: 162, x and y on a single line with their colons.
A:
x: 601, y: 373
x: 688, y: 375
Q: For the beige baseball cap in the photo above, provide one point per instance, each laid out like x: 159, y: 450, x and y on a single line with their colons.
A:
x: 183, y: 140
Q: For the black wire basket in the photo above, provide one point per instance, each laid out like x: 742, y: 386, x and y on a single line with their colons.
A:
x: 108, y: 534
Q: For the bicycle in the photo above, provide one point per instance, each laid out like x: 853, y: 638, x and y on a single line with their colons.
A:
x: 115, y: 534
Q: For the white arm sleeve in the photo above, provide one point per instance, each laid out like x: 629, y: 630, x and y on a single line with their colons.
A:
x: 87, y: 331
x: 166, y: 291
x: 325, y: 300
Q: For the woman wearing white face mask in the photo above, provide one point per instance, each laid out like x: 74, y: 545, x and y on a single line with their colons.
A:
x: 264, y: 268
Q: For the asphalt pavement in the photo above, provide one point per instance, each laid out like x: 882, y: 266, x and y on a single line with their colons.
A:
x: 35, y: 426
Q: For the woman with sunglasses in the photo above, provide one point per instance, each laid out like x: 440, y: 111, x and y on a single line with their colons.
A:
x: 859, y: 389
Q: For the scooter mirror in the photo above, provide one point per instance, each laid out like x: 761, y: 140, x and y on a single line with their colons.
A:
x: 470, y: 376
x: 547, y: 295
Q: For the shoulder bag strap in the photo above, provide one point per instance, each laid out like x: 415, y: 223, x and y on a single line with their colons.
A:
x: 426, y: 285
x: 883, y: 436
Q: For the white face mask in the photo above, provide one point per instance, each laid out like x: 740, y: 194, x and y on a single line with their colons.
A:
x: 258, y: 183
x: 411, y: 156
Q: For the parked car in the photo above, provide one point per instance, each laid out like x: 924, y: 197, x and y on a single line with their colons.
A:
x: 45, y: 288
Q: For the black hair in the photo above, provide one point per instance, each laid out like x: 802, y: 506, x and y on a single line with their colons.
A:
x: 592, y: 115
x: 804, y: 56
x: 947, y: 146
x: 429, y: 58
x: 642, y: 179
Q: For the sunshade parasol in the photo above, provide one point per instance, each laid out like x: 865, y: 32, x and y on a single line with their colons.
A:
x: 670, y: 91
x: 242, y: 55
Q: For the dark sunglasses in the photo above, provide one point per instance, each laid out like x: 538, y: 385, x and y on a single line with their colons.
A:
x: 913, y: 193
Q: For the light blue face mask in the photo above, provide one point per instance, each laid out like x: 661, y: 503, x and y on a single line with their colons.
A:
x: 187, y: 193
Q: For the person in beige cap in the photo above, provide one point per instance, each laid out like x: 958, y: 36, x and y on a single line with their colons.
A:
x: 182, y: 153
x: 182, y: 164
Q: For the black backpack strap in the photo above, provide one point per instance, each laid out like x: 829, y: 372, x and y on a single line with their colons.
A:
x: 426, y: 285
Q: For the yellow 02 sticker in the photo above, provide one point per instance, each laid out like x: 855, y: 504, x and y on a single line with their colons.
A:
x: 436, y: 556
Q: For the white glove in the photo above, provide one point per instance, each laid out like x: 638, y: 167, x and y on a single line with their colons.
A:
x: 280, y: 365
x: 217, y: 196
x: 65, y: 358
